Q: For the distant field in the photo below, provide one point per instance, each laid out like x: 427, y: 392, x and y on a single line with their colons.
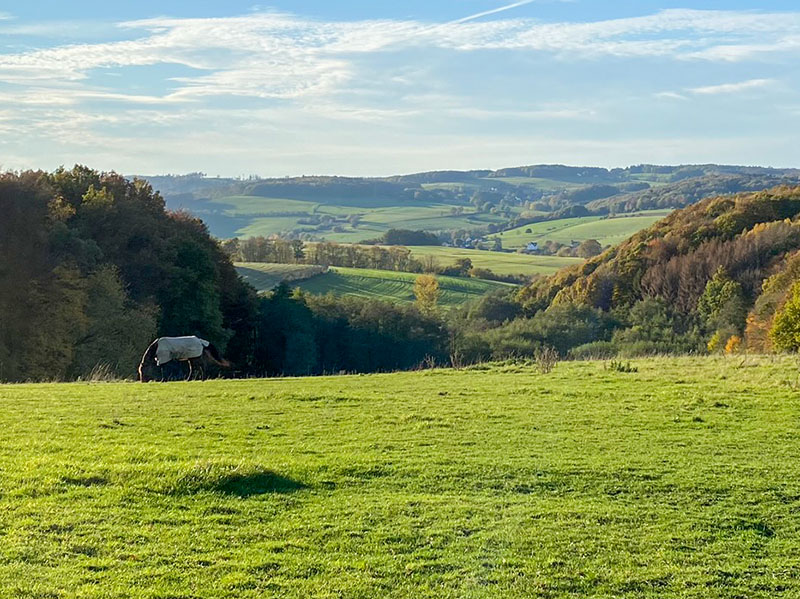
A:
x: 249, y: 216
x: 265, y: 276
x: 377, y: 284
x: 677, y: 481
x: 394, y: 286
x: 608, y: 231
x: 499, y: 262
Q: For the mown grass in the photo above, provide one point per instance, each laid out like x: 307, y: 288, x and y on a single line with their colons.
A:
x: 265, y: 276
x: 394, y: 286
x: 608, y: 231
x: 255, y: 215
x: 498, y: 262
x: 680, y: 480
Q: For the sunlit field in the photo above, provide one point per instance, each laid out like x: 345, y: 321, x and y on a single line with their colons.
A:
x: 679, y: 480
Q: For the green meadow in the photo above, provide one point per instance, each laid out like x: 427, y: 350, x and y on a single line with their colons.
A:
x: 679, y: 480
x: 504, y: 263
x: 608, y: 231
x: 268, y: 216
x: 266, y: 276
x: 383, y: 285
x: 394, y: 286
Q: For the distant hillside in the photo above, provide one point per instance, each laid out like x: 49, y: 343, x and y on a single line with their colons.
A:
x: 747, y: 234
x: 478, y: 201
x: 688, y: 191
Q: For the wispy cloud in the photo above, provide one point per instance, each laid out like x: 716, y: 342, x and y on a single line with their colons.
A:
x: 732, y: 88
x: 670, y: 96
x: 278, y: 73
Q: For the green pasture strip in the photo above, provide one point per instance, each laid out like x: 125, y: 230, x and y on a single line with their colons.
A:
x: 679, y: 480
x: 255, y: 205
x: 394, y: 286
x: 536, y: 182
x: 608, y: 231
x: 498, y: 262
x: 266, y: 276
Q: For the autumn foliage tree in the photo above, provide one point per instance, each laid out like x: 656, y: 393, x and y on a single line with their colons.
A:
x: 426, y: 290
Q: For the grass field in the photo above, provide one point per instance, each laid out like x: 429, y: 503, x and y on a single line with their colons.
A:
x: 680, y: 480
x: 265, y: 276
x: 608, y: 231
x: 247, y: 216
x: 394, y: 286
x: 498, y: 262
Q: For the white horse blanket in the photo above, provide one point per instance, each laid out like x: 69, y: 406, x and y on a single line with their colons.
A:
x: 179, y: 348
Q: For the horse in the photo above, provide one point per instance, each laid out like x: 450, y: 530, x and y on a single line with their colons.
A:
x: 196, y: 352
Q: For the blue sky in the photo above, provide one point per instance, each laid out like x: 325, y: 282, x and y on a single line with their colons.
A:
x: 376, y: 88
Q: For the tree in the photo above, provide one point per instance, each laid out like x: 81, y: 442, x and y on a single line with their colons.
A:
x: 785, y: 332
x: 589, y: 249
x: 722, y: 305
x: 426, y: 290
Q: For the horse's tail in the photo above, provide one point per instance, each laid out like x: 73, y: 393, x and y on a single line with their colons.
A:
x: 216, y: 357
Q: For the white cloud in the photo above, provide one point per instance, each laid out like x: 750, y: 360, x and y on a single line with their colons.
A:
x: 269, y: 75
x: 732, y: 88
x: 282, y: 56
x: 670, y: 96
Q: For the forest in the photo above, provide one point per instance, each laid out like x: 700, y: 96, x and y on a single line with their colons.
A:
x: 93, y: 267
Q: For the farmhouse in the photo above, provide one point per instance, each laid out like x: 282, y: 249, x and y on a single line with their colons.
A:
x: 532, y: 247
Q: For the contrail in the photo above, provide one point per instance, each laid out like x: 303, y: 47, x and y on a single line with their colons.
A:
x: 493, y: 11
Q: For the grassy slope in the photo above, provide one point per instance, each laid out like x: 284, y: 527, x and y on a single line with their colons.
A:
x: 499, y: 262
x: 394, y: 286
x: 266, y: 216
x: 265, y: 276
x: 608, y: 231
x: 676, y: 481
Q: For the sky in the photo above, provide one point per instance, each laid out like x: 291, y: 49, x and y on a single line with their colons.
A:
x: 374, y: 88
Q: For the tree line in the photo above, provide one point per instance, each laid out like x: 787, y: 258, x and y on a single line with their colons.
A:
x: 92, y: 268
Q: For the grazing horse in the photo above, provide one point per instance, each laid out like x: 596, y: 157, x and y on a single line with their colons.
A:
x: 198, y: 353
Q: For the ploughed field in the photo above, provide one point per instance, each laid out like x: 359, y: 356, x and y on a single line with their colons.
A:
x: 679, y: 480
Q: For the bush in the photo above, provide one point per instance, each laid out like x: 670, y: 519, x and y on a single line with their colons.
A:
x: 596, y: 350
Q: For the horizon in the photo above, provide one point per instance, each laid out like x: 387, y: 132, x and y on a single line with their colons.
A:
x: 353, y: 89
x: 409, y: 174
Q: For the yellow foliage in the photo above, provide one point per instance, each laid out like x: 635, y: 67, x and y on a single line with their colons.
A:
x: 733, y: 345
x: 426, y: 290
x: 714, y: 342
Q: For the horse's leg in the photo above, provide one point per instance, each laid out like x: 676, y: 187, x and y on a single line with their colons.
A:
x: 189, y: 376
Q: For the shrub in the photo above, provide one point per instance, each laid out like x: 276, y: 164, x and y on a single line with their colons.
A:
x: 546, y: 359
x: 596, y: 350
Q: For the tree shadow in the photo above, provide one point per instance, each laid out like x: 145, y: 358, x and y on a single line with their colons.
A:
x: 257, y: 483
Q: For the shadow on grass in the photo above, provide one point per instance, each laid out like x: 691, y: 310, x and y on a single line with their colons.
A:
x: 234, y: 482
x: 259, y: 483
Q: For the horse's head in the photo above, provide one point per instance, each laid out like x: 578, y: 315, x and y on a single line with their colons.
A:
x: 147, y: 367
x: 144, y: 373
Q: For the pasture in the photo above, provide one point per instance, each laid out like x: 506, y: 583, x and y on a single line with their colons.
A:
x: 499, y: 262
x: 265, y: 276
x: 248, y: 216
x: 679, y: 480
x: 608, y: 231
x: 393, y: 286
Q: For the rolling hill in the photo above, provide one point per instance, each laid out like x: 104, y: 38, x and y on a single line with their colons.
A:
x: 502, y: 263
x: 606, y: 230
x: 376, y: 284
x: 354, y: 209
